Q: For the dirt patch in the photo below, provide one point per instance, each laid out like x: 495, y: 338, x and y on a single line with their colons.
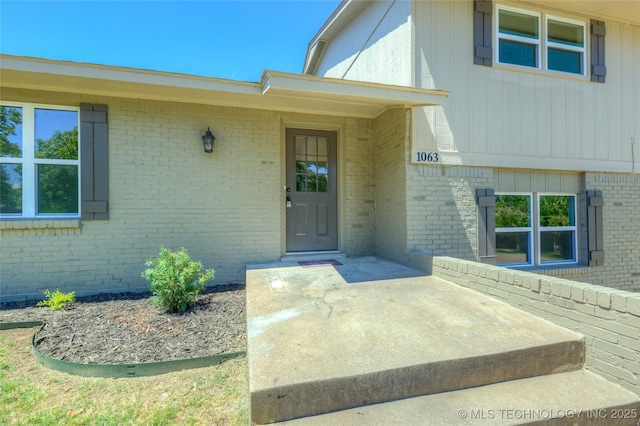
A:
x: 127, y: 328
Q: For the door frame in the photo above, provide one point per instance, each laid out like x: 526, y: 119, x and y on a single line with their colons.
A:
x: 333, y: 124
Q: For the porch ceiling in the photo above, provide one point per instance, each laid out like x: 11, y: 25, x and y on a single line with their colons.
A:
x: 276, y: 91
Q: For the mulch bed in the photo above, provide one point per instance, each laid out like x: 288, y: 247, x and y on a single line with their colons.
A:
x: 127, y: 328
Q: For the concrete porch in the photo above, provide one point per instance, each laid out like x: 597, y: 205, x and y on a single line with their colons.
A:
x: 367, y: 341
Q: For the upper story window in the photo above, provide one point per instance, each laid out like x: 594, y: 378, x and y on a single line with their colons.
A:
x: 39, y: 162
x: 541, y: 41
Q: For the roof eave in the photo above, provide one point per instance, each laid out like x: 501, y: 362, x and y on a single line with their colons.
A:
x: 277, y: 91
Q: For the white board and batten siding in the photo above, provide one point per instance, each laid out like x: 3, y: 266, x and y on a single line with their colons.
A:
x: 375, y: 46
x: 504, y: 117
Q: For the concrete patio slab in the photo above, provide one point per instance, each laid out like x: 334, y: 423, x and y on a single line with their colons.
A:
x: 363, y: 330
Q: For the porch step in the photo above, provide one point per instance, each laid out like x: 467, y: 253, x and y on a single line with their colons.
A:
x: 576, y: 397
x: 312, y: 256
x: 323, y: 340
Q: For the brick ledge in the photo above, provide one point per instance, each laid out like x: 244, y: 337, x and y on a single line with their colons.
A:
x: 40, y: 224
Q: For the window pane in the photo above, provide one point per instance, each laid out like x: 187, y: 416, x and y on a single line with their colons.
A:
x: 557, y: 210
x: 322, y: 183
x: 10, y: 132
x: 566, y: 33
x: 519, y: 24
x: 512, y: 248
x: 556, y: 246
x: 513, y: 52
x: 56, y: 134
x: 301, y: 183
x: 562, y: 60
x: 10, y: 188
x: 323, y: 147
x: 312, y: 147
x: 513, y: 211
x: 301, y: 148
x: 57, y: 189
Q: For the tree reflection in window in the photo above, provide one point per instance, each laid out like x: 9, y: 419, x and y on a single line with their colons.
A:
x: 312, y: 167
x: 11, y: 147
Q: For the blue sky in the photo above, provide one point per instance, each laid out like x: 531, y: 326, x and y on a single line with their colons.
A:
x: 226, y: 39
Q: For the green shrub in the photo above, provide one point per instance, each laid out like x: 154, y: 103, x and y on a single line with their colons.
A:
x: 57, y: 300
x: 175, y: 280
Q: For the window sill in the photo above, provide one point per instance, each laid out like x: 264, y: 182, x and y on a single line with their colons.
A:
x: 541, y: 72
x: 39, y: 223
x: 568, y: 270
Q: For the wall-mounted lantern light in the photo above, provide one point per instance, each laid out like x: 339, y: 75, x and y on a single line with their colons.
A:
x: 208, y: 140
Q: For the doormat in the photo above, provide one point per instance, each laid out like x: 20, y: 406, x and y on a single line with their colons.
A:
x: 313, y: 263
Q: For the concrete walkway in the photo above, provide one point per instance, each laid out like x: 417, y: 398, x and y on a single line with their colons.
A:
x: 360, y: 331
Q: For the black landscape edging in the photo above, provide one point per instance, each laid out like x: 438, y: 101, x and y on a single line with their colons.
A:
x: 118, y: 370
x: 25, y: 324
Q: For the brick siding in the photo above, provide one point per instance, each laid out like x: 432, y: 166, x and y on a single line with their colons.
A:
x: 225, y: 208
x: 608, y: 318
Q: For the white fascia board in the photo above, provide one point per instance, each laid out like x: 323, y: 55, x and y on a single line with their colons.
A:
x: 349, y: 91
x: 124, y: 75
x: 277, y: 91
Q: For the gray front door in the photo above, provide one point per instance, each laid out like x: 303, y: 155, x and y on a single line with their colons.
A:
x: 312, y: 213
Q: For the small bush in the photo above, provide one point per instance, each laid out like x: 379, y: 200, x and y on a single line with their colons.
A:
x: 57, y: 300
x: 175, y: 280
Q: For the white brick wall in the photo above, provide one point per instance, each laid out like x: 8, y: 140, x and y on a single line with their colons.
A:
x: 608, y: 318
x: 360, y: 188
x: 621, y: 212
x: 390, y: 173
x: 442, y: 215
x: 225, y: 208
x: 164, y: 190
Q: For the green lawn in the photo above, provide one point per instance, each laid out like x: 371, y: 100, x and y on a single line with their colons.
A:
x: 31, y: 394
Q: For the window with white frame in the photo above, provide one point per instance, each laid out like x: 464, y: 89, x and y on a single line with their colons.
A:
x: 39, y: 162
x: 535, y: 229
x: 541, y: 41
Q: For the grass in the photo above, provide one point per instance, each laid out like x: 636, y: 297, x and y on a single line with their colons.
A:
x: 31, y: 394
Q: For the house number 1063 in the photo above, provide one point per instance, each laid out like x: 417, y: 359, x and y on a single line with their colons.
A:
x: 427, y: 157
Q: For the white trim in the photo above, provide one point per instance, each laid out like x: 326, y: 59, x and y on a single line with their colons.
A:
x: 277, y: 91
x: 520, y: 39
x: 535, y: 244
x: 542, y: 42
x: 29, y: 162
x: 566, y: 47
x: 573, y: 228
x: 529, y: 230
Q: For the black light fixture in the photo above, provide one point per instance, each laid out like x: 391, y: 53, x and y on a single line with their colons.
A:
x: 208, y: 140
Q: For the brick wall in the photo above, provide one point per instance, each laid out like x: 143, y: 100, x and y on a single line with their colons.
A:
x: 390, y: 169
x: 226, y: 207
x: 164, y: 190
x: 442, y: 220
x: 608, y: 318
x: 359, y: 188
x: 621, y: 222
x: 442, y: 216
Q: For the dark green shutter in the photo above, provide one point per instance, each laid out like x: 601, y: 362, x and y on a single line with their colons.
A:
x: 483, y: 32
x: 486, y: 201
x: 594, y: 225
x: 94, y: 162
x: 598, y: 68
